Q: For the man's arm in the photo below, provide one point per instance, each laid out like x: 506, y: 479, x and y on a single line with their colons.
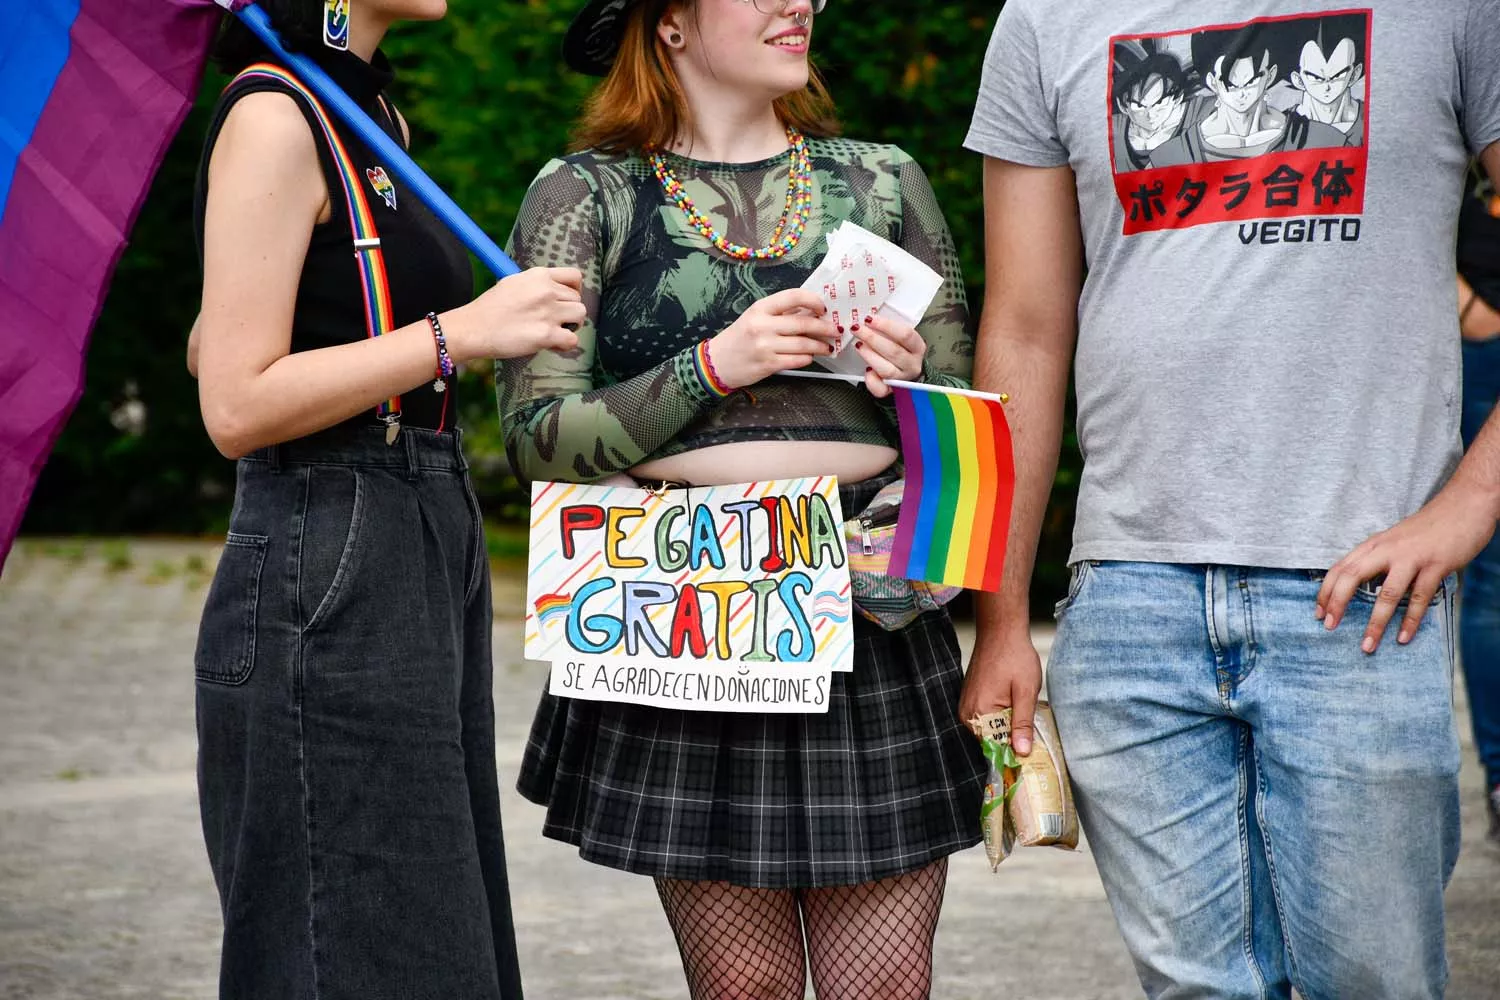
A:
x: 1418, y: 554
x: 1033, y: 278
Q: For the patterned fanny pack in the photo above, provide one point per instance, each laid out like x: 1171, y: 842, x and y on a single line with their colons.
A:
x: 891, y: 602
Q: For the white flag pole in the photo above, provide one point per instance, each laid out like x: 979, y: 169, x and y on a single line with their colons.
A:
x: 901, y: 384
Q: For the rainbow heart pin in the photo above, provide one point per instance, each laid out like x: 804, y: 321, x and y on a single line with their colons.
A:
x: 381, y: 182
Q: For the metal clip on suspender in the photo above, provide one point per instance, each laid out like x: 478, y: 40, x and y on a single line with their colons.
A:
x: 367, y: 252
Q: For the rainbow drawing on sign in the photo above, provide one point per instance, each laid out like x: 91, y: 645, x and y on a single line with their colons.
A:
x: 551, y: 607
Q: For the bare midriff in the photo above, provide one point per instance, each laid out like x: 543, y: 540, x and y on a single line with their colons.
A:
x: 1481, y: 321
x: 755, y: 461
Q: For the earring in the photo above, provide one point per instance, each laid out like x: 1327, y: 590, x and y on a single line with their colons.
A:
x: 336, y: 24
x: 674, y: 39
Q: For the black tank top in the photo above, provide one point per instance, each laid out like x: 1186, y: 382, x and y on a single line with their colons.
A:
x: 1479, y: 240
x: 428, y: 268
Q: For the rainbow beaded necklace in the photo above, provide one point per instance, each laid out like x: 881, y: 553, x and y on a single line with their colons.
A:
x: 793, y: 220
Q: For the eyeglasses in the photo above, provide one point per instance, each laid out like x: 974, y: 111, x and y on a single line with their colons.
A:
x: 780, y: 6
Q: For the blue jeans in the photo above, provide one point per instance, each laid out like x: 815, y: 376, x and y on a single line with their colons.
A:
x: 1479, y: 622
x: 1268, y: 806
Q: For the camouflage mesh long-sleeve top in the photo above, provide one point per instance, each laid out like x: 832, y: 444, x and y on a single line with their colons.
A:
x: 655, y: 288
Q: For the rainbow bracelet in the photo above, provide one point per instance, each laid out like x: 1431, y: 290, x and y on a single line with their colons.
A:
x: 712, y: 384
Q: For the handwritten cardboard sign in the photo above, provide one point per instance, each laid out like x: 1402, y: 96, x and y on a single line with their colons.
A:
x: 725, y: 598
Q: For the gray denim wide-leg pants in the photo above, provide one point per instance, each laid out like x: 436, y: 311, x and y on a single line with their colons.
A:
x: 346, y: 763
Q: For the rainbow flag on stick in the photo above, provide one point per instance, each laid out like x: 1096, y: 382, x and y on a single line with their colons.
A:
x: 960, y: 478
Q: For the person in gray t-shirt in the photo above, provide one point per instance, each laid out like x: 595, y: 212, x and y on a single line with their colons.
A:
x: 1239, y: 229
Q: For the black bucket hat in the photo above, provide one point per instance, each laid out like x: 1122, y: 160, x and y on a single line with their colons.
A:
x: 593, y: 38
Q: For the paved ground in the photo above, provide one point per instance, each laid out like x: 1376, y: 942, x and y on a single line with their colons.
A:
x: 104, y: 890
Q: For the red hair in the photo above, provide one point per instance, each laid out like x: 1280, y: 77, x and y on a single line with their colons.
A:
x: 640, y: 104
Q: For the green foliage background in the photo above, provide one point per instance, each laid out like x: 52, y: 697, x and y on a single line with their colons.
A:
x: 489, y: 101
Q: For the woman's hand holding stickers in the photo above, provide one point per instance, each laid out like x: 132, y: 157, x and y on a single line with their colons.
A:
x: 781, y: 331
x: 892, y: 349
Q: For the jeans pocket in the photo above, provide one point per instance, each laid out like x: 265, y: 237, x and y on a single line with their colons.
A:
x: 330, y: 531
x: 226, y: 637
x: 1078, y: 573
x: 1369, y: 592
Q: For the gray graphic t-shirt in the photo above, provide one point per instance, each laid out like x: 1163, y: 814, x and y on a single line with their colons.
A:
x: 1268, y: 351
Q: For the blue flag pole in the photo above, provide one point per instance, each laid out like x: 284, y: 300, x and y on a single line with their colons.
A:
x: 394, y: 158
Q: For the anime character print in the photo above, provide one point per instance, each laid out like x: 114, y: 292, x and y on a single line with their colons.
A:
x: 1266, y: 119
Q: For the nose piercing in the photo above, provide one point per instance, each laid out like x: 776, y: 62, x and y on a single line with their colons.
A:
x: 800, y: 19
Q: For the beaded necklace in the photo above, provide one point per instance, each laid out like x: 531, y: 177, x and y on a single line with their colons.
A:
x: 793, y: 220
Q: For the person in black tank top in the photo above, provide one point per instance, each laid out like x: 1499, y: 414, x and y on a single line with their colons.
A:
x: 347, y: 777
x: 426, y: 266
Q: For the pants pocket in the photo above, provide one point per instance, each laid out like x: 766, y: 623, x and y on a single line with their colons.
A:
x: 1078, y: 574
x: 330, y: 531
x: 1369, y: 592
x: 226, y: 637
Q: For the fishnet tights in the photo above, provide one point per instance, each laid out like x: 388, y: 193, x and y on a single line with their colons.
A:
x: 864, y: 942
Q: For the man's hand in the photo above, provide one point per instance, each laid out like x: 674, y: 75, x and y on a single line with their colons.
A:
x: 1005, y: 673
x: 1415, y: 556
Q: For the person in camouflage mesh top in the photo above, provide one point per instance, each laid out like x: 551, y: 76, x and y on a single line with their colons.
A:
x: 754, y: 826
x: 630, y: 395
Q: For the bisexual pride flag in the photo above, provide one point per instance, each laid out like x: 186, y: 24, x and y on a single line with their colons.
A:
x: 91, y: 93
x: 960, y: 478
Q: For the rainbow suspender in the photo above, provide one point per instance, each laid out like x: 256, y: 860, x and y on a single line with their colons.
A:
x: 377, y: 290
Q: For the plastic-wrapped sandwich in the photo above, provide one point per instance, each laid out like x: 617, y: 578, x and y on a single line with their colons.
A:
x: 1027, y: 800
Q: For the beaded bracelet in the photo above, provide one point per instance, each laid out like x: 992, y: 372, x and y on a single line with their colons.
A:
x: 445, y: 367
x: 712, y: 384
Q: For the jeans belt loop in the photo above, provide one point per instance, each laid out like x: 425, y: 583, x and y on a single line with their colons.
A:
x: 412, y: 466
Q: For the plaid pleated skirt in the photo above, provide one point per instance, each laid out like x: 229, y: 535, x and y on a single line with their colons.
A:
x: 886, y: 782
